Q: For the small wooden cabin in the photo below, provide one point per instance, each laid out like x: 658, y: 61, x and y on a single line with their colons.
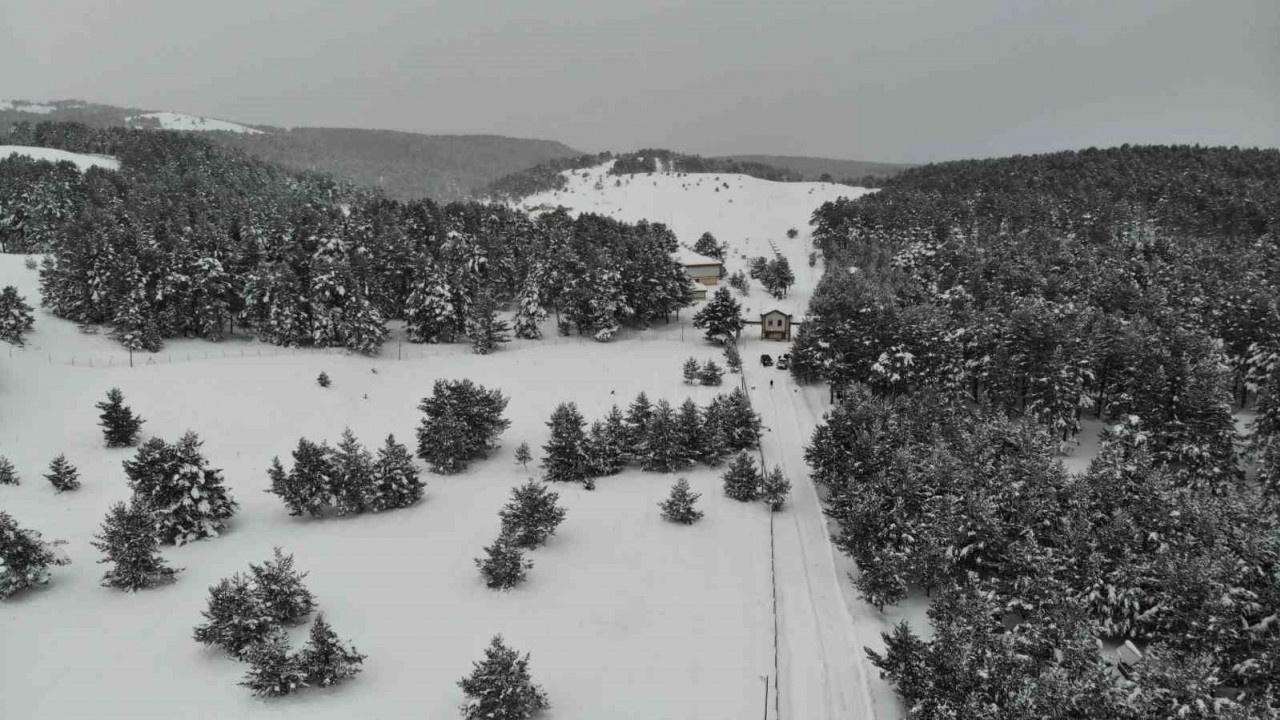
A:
x: 775, y: 325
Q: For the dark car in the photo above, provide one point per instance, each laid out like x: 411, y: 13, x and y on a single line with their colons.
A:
x: 765, y: 360
x: 784, y: 362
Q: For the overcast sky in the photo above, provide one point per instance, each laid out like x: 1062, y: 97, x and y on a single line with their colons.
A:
x: 892, y: 80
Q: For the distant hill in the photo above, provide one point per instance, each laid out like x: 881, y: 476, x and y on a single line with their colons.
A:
x: 404, y: 165
x: 813, y: 168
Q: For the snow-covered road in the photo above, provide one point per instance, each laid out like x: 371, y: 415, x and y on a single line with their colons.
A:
x: 823, y: 670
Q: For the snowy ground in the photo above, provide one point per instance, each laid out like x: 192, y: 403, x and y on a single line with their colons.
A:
x: 27, y: 107
x: 84, y: 161
x: 179, y: 121
x: 752, y: 216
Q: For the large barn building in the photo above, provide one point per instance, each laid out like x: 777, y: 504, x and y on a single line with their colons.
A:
x: 704, y: 271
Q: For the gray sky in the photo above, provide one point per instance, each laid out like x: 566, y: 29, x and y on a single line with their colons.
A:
x: 892, y: 80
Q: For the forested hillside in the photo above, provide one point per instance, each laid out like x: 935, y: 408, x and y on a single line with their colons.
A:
x: 190, y: 239
x: 402, y: 165
x: 972, y: 313
x: 856, y: 172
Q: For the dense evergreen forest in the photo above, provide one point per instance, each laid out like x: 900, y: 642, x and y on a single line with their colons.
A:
x: 190, y: 239
x: 971, y: 315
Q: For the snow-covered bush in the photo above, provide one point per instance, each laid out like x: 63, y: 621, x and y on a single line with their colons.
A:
x: 504, y: 565
x: 461, y: 420
x: 500, y: 686
x: 25, y: 558
x: 119, y: 425
x: 532, y: 515
x: 188, y: 498
x: 128, y: 540
x: 679, y: 506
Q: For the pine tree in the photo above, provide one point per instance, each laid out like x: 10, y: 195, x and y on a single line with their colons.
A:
x: 15, y: 316
x: 326, y: 660
x: 8, y: 474
x: 661, y: 450
x: 638, y: 415
x: 529, y: 313
x: 721, y: 317
x: 235, y: 618
x: 689, y: 437
x: 523, y: 456
x: 565, y: 454
x: 503, y: 566
x: 605, y: 455
x: 679, y: 506
x: 353, y: 475
x: 135, y: 323
x: 483, y: 326
x: 532, y: 515
x: 273, y: 670
x: 279, y: 591
x: 62, y: 475
x: 25, y: 557
x: 128, y: 540
x: 741, y: 480
x: 742, y: 424
x: 396, y: 481
x: 500, y: 687
x: 709, y: 246
x: 690, y: 371
x: 119, y: 425
x: 461, y: 420
x: 308, y: 487
x: 616, y: 435
x: 323, y: 379
x: 715, y: 442
x: 710, y: 373
x: 429, y: 312
x: 774, y: 489
x: 188, y: 499
x: 732, y: 358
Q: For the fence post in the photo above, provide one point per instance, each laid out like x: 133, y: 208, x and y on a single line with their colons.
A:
x: 130, y: 357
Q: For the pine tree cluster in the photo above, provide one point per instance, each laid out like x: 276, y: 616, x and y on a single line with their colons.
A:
x: 8, y: 473
x: 186, y: 497
x: 657, y: 437
x: 346, y: 480
x: 15, y: 316
x: 25, y: 557
x: 461, y: 421
x: 708, y: 373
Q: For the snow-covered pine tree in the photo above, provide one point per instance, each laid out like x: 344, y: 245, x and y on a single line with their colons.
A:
x: 732, y: 358
x: 461, y: 420
x: 483, y: 326
x: 689, y: 436
x: 709, y: 246
x: 362, y: 327
x: 529, y: 313
x: 690, y: 371
x: 128, y: 540
x: 715, y: 442
x: 742, y: 424
x: 273, y: 670
x: 62, y: 475
x: 188, y: 498
x: 710, y: 373
x: 523, y: 454
x: 721, y: 317
x: 235, y: 617
x: 504, y: 565
x: 308, y: 486
x: 661, y: 449
x: 604, y: 454
x: 15, y: 316
x: 25, y: 557
x: 531, y: 516
x: 396, y: 481
x: 565, y: 454
x: 279, y: 591
x: 325, y: 660
x: 618, y: 453
x: 119, y: 425
x: 774, y: 489
x: 323, y: 379
x: 353, y: 476
x: 500, y: 687
x: 778, y: 277
x: 8, y: 474
x: 134, y: 323
x: 429, y: 311
x: 679, y: 506
x: 638, y: 414
x: 741, y: 479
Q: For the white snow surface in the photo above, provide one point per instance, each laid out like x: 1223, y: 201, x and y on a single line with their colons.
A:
x: 179, y: 121
x: 625, y: 616
x: 36, y: 108
x: 84, y: 161
x: 750, y: 215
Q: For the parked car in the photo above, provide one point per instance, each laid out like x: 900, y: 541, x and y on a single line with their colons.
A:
x: 784, y: 362
x: 765, y: 360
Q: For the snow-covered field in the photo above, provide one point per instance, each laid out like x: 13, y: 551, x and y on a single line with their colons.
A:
x: 752, y: 216
x: 20, y: 106
x: 179, y: 121
x: 625, y: 616
x: 84, y: 161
